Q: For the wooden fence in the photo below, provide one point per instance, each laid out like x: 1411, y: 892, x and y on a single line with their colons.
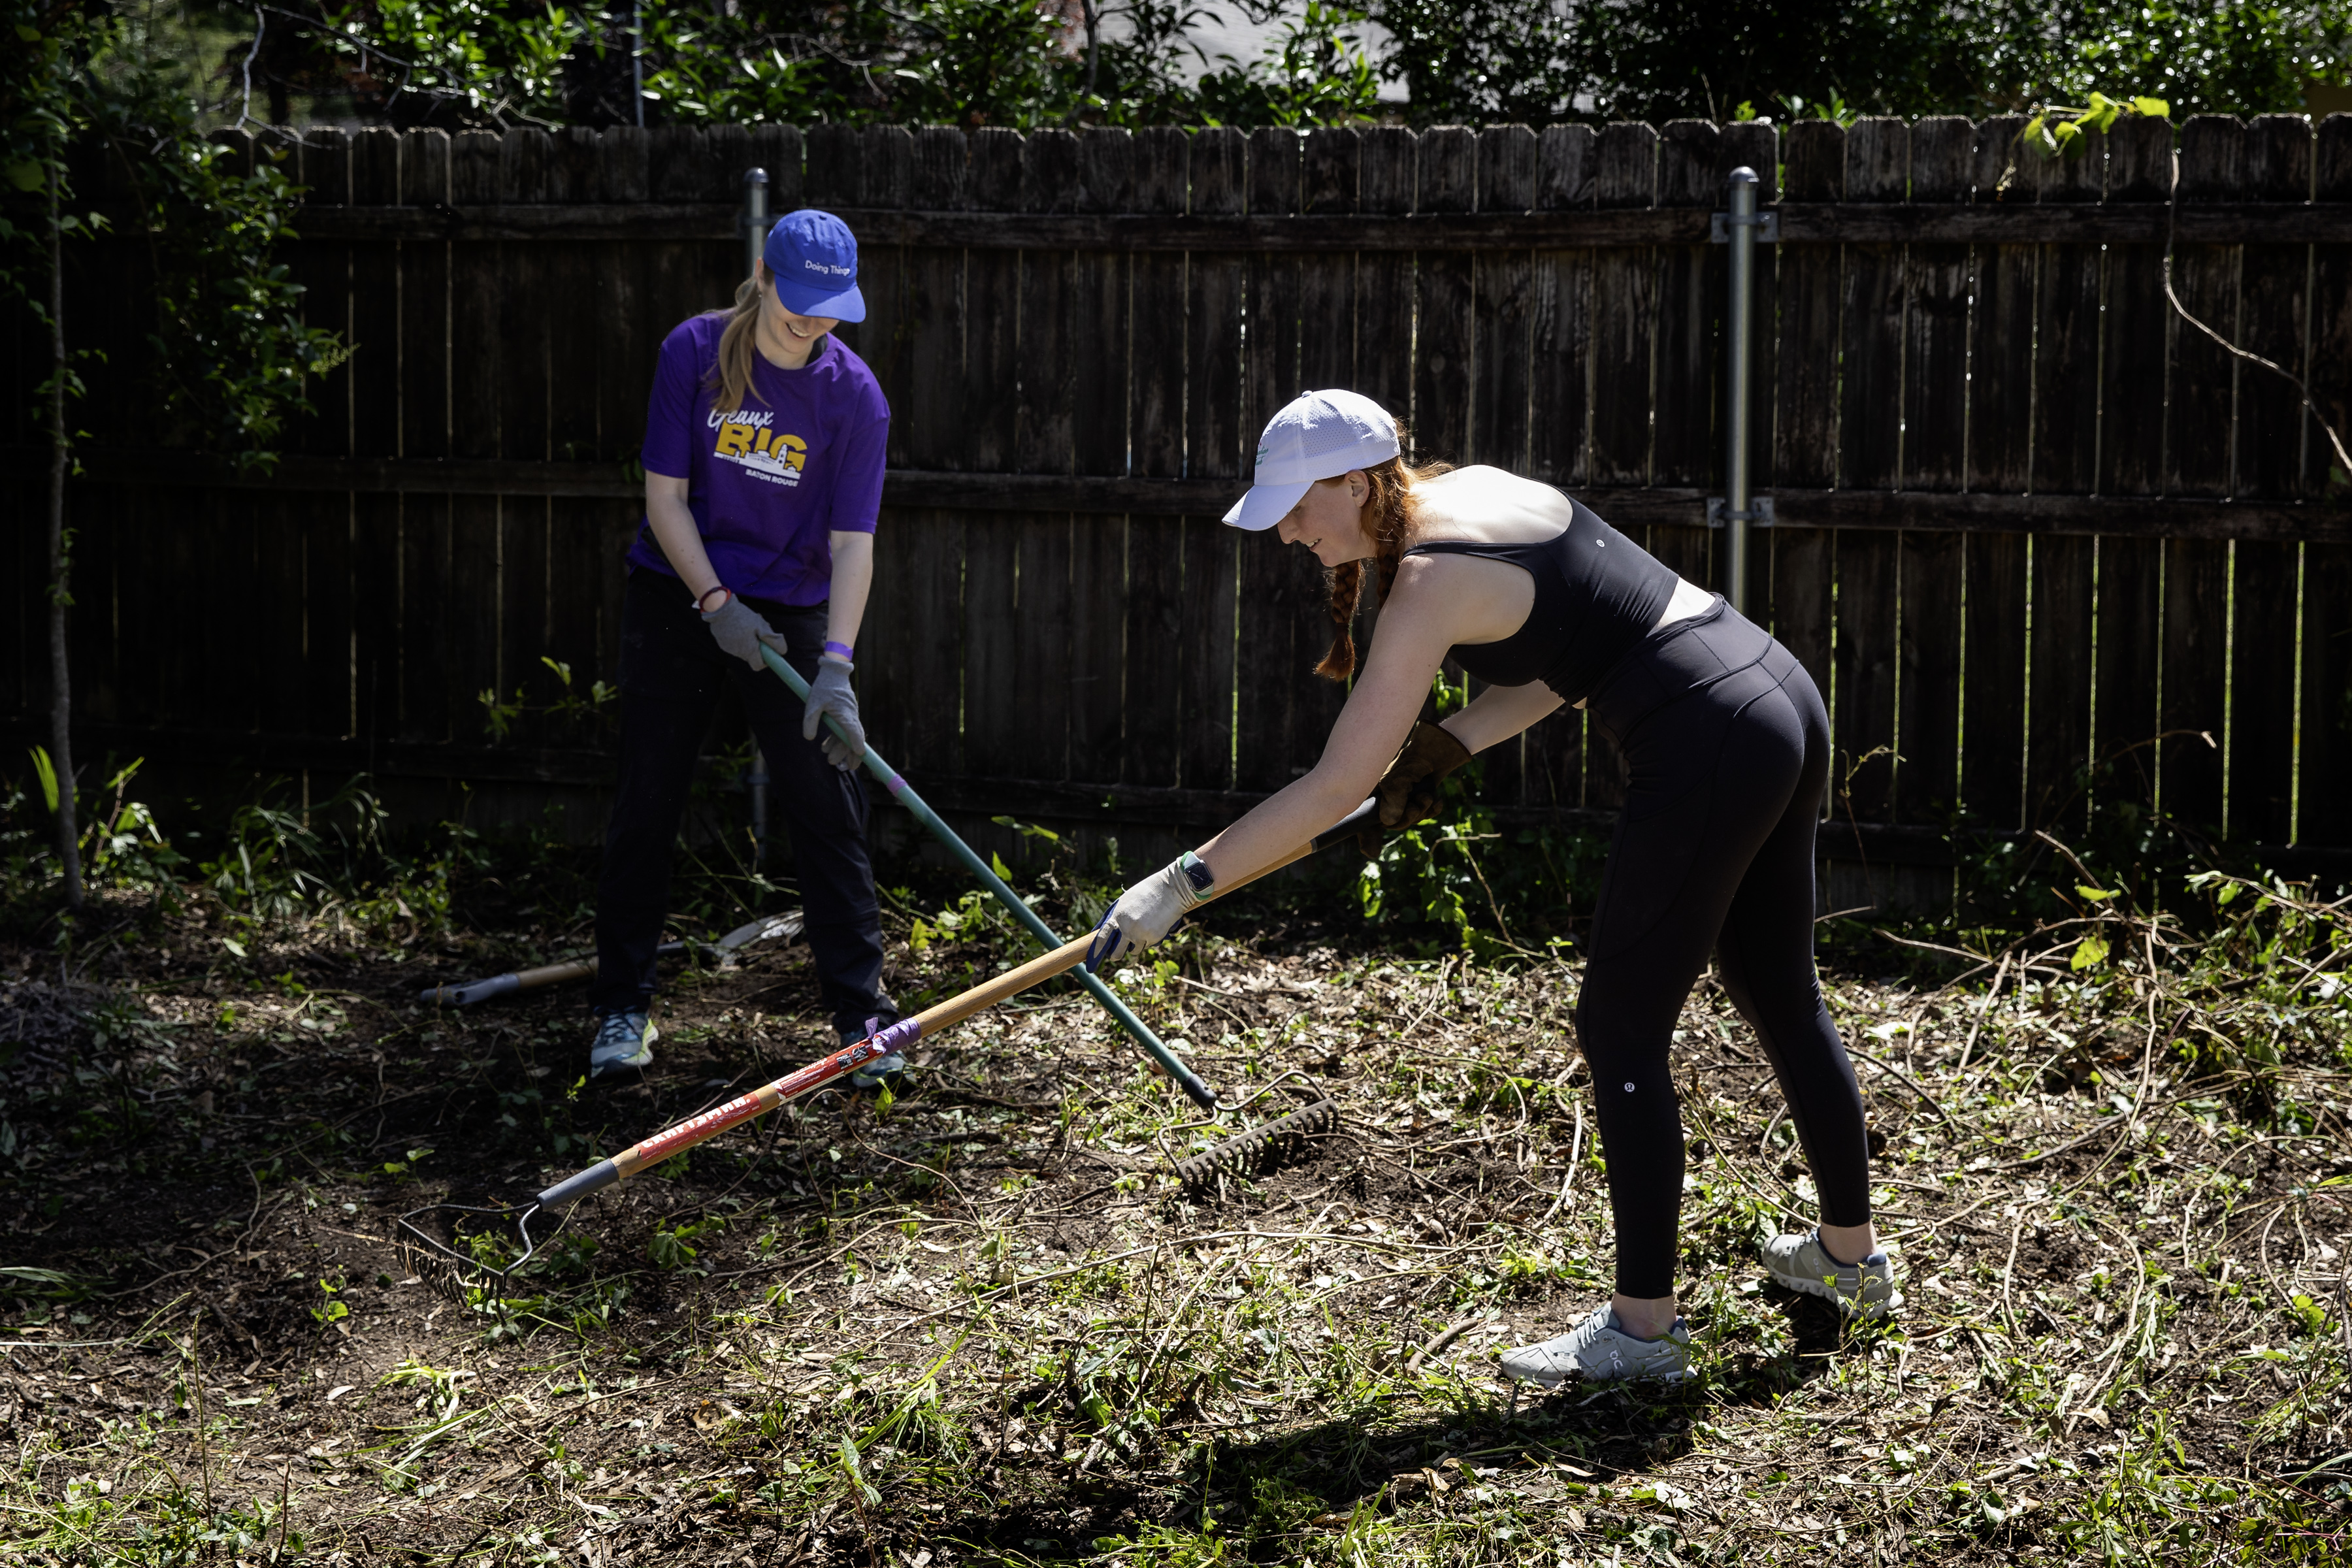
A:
x: 2027, y: 519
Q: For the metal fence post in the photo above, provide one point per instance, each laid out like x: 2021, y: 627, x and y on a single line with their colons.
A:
x: 1736, y: 510
x: 1735, y: 425
x: 755, y: 240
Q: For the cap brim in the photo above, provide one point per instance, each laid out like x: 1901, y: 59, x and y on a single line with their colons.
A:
x: 1267, y: 505
x: 802, y: 300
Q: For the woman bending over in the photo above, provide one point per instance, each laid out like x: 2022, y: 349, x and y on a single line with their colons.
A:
x: 1727, y: 752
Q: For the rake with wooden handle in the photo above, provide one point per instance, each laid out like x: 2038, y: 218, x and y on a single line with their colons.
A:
x: 455, y: 1270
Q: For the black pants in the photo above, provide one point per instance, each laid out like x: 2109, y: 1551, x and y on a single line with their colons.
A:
x: 671, y: 670
x: 1727, y: 752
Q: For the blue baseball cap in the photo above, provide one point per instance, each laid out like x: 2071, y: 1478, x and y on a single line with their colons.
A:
x: 813, y: 257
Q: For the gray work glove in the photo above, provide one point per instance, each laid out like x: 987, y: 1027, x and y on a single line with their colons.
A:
x: 830, y: 693
x: 740, y: 629
x: 1149, y: 909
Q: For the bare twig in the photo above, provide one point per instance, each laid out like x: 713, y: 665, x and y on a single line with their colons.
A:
x: 1567, y: 1177
x: 1985, y: 1012
x: 1927, y: 1096
x: 2007, y: 1271
x: 1452, y: 1333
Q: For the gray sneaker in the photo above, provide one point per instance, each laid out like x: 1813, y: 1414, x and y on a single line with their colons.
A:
x: 625, y: 1046
x: 1801, y: 1263
x: 1600, y: 1351
x: 881, y: 1070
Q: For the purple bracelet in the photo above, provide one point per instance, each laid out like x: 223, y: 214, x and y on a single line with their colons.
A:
x: 848, y: 654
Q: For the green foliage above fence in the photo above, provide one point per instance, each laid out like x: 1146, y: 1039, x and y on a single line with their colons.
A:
x: 1023, y: 64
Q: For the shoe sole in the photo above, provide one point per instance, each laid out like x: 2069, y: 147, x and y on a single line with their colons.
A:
x: 1853, y: 1306
x: 1542, y: 1382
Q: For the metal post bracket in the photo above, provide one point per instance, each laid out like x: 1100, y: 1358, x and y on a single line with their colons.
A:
x: 1757, y: 515
x: 1767, y: 226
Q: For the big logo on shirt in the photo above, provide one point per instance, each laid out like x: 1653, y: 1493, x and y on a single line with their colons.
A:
x: 746, y: 440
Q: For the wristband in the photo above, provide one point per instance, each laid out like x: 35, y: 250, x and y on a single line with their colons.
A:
x: 705, y: 598
x: 840, y: 650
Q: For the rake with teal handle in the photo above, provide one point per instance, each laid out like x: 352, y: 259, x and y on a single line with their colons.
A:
x: 904, y: 793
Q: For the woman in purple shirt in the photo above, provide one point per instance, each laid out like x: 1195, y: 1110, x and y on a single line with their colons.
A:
x: 764, y: 445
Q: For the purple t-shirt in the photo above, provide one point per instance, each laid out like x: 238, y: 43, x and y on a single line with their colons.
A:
x: 801, y: 458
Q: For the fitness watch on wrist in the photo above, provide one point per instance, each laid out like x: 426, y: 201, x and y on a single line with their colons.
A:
x: 1197, y: 875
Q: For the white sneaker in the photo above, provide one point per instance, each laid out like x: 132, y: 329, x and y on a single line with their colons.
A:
x: 1598, y: 1350
x: 1801, y: 1263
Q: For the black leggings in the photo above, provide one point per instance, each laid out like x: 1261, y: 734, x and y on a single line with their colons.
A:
x: 671, y: 670
x: 1727, y: 754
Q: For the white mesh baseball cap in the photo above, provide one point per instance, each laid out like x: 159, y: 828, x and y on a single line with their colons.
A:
x: 1318, y: 436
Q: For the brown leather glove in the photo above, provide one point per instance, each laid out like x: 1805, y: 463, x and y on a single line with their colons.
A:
x: 1408, y: 791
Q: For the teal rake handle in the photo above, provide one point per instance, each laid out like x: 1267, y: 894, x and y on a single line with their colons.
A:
x: 904, y: 793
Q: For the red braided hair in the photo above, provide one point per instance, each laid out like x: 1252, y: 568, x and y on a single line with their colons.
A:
x: 1389, y: 516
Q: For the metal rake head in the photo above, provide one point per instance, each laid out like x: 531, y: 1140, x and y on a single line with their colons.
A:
x: 460, y: 1275
x: 1243, y: 1148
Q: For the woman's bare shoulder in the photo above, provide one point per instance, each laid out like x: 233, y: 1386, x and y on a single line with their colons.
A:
x: 1490, y: 505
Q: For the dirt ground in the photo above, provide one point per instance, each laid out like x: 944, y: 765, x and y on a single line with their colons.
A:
x: 979, y: 1322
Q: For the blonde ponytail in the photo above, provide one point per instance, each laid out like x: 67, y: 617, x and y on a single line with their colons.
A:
x: 730, y: 377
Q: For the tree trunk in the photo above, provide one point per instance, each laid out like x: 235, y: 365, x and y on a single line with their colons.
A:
x: 60, y: 564
x: 1094, y: 24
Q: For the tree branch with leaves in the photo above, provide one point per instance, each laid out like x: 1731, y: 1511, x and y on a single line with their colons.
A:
x: 231, y: 357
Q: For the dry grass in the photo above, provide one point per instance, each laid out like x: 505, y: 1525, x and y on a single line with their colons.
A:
x: 978, y: 1324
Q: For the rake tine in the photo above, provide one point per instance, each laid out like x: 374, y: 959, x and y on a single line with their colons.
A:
x: 1322, y: 1116
x: 452, y: 1273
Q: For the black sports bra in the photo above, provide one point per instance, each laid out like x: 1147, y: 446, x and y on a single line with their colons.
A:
x: 1597, y: 595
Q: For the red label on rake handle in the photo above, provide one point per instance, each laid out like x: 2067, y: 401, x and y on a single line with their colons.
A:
x: 767, y: 1097
x: 832, y: 1066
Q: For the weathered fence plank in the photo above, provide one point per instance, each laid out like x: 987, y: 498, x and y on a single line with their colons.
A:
x: 2136, y: 349
x: 1935, y: 379
x: 1503, y: 287
x: 1935, y: 321
x: 1559, y: 348
x: 2064, y: 461
x: 1624, y: 314
x: 1877, y: 164
x: 1927, y: 776
x: 1444, y: 328
x: 1993, y: 677
x: 2058, y: 688
x: 2323, y: 784
x: 1503, y: 290
x: 2273, y: 322
x: 991, y: 362
x: 1150, y: 691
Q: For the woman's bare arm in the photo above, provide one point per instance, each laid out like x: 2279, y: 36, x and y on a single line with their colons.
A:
x: 1406, y: 652
x: 1499, y: 712
x: 853, y: 580
x: 674, y: 531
